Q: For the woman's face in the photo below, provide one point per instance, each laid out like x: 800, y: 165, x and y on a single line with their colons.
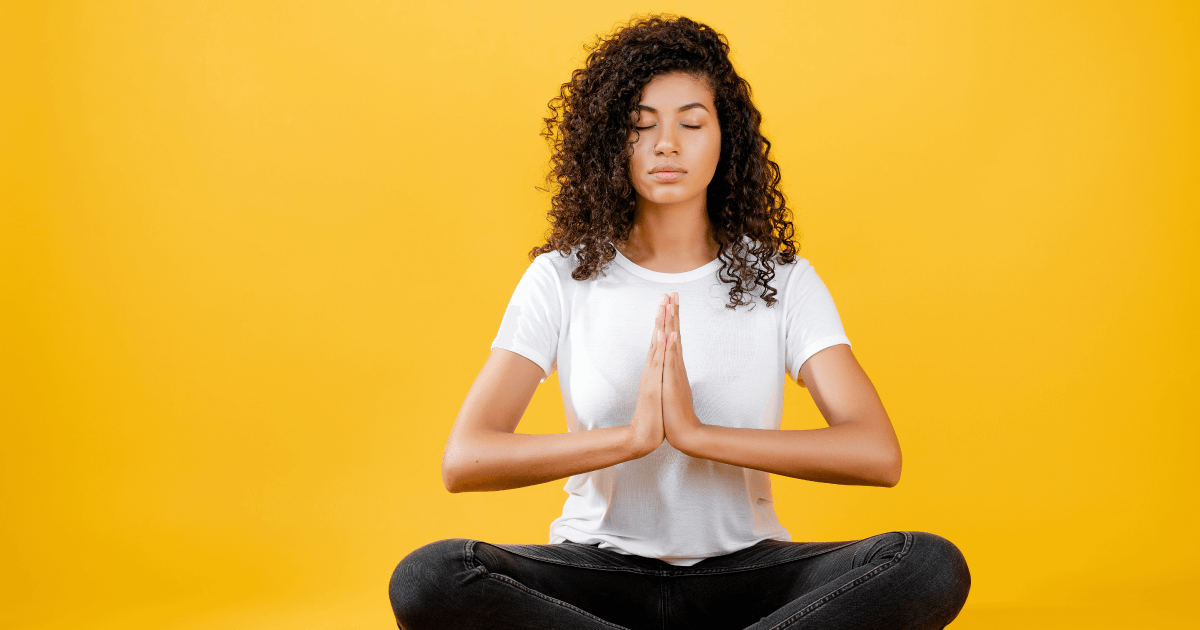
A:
x: 678, y: 140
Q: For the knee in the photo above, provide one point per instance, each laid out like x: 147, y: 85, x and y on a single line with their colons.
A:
x: 424, y: 580
x: 944, y: 571
x: 880, y: 548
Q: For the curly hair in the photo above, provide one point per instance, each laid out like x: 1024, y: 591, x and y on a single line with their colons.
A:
x: 589, y: 127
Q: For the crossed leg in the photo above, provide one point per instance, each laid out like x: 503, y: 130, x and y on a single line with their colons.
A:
x: 896, y: 580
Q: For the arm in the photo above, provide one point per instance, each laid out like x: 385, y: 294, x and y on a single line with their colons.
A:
x: 859, y: 447
x: 485, y: 453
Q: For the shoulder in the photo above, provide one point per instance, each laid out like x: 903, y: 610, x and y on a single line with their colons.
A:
x: 551, y: 272
x: 787, y: 270
x: 784, y: 272
x: 555, y: 263
x: 796, y: 284
x: 556, y: 259
x: 795, y: 276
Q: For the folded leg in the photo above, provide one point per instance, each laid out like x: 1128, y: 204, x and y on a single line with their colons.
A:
x: 460, y: 583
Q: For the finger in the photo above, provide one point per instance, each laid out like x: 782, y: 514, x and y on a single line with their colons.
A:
x: 674, y: 327
x: 675, y: 312
x: 670, y: 359
x: 660, y: 348
x: 675, y: 352
x: 659, y: 322
x: 653, y: 337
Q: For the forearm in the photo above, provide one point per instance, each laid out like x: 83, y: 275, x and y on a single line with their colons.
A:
x: 849, y: 453
x: 497, y: 460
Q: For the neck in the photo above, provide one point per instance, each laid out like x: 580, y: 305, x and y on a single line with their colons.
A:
x: 670, y: 237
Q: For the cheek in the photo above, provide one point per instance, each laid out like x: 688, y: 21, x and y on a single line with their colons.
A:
x: 637, y: 150
x: 637, y: 153
x: 713, y: 153
x: 638, y: 163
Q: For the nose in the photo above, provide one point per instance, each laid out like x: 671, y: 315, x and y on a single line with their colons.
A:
x: 666, y: 142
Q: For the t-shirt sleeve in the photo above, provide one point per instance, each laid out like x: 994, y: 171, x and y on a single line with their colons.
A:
x: 811, y: 320
x: 531, y: 322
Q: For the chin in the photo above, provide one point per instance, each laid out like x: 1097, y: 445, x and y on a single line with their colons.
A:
x: 671, y: 196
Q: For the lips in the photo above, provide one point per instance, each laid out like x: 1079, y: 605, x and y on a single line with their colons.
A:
x: 667, y: 172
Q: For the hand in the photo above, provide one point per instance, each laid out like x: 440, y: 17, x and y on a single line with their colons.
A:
x: 679, y: 417
x: 646, y: 431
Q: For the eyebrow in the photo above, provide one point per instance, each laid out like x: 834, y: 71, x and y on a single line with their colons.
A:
x: 684, y: 108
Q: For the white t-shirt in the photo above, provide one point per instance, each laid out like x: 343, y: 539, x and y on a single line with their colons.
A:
x: 668, y: 505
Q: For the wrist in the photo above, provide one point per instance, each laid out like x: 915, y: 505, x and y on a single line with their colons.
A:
x: 635, y: 445
x: 689, y: 438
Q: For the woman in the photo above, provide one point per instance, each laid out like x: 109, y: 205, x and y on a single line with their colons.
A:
x: 667, y: 219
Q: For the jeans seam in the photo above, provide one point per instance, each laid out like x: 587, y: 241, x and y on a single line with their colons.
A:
x: 504, y: 579
x: 469, y: 555
x: 849, y: 585
x: 762, y: 565
x: 678, y: 572
x: 662, y: 601
x: 585, y: 565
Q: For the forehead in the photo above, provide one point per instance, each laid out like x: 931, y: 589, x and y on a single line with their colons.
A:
x: 671, y: 90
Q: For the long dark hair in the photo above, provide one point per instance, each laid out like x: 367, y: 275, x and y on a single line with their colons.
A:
x: 589, y: 127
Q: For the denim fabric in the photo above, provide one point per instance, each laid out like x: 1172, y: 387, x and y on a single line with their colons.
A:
x: 895, y: 580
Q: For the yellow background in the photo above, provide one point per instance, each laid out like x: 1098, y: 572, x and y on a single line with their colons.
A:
x: 252, y: 256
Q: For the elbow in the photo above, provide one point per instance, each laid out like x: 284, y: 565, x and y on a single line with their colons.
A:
x: 882, y: 468
x: 890, y: 470
x: 461, y: 468
x: 891, y: 477
x: 452, y: 477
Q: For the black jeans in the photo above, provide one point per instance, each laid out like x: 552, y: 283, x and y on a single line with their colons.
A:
x: 895, y: 580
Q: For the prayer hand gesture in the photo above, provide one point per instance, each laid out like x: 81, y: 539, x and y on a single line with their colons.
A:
x: 646, y: 427
x: 679, y: 417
